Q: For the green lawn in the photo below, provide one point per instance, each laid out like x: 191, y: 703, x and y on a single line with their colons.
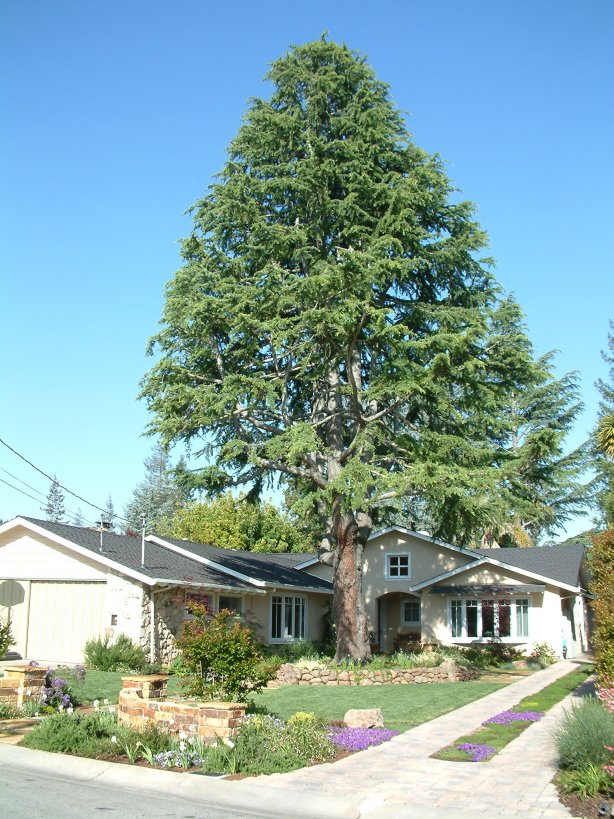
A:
x: 101, y: 685
x: 403, y: 706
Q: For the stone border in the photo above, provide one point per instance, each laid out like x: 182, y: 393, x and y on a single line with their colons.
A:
x: 142, y: 702
x: 448, y: 671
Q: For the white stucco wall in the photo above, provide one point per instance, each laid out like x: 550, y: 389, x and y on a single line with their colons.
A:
x: 26, y: 556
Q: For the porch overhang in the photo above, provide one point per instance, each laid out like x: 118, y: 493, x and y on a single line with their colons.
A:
x: 479, y: 590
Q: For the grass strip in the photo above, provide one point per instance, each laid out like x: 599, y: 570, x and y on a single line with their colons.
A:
x: 498, y: 736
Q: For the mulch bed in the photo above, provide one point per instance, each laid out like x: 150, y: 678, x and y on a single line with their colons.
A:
x: 587, y: 808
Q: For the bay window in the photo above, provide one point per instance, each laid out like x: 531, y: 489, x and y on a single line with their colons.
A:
x: 489, y: 618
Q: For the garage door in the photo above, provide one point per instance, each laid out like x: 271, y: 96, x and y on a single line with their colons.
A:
x: 62, y: 616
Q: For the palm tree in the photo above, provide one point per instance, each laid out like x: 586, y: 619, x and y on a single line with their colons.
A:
x: 605, y: 435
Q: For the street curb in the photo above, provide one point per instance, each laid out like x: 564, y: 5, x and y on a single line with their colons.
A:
x: 236, y: 796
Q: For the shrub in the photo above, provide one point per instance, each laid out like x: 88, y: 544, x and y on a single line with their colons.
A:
x: 265, y: 745
x: 222, y: 656
x: 602, y: 570
x: 8, y: 711
x: 587, y: 782
x: 93, y: 735
x: 6, y: 638
x: 583, y: 735
x: 543, y: 654
x: 122, y: 655
x: 492, y: 654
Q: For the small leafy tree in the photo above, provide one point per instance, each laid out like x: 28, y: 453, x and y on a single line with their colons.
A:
x: 236, y: 523
x: 221, y: 654
x: 6, y: 638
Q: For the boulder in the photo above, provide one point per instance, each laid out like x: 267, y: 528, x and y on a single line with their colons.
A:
x: 364, y: 718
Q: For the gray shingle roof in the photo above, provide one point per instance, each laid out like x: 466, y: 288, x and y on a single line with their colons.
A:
x: 561, y: 563
x: 270, y: 567
x: 164, y: 564
x: 160, y: 563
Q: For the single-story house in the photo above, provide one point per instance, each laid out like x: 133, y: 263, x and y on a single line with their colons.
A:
x: 62, y: 585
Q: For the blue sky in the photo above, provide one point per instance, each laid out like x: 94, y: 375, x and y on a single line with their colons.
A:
x: 117, y: 114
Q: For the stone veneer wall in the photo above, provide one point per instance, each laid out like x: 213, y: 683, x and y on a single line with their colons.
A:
x: 448, y: 671
x: 142, y: 701
x: 21, y: 684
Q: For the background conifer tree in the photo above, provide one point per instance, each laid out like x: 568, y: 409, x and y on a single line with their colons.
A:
x: 55, y: 511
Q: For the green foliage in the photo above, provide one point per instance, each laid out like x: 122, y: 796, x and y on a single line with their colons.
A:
x: 6, y: 637
x: 334, y: 327
x: 604, y: 456
x: 92, y: 735
x: 586, y: 782
x: 235, y: 523
x: 266, y: 745
x: 492, y: 654
x: 299, y: 650
x: 8, y: 711
x: 583, y: 735
x: 543, y: 654
x: 222, y: 656
x: 602, y: 572
x: 122, y: 655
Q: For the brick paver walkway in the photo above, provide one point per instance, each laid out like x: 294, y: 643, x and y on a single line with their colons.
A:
x: 399, y: 777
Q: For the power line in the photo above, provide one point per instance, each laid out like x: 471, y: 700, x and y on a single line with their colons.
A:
x: 17, y: 489
x: 27, y: 495
x: 54, y: 480
x: 33, y: 488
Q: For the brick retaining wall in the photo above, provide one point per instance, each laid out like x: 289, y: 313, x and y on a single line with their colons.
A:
x: 448, y: 671
x: 142, y: 702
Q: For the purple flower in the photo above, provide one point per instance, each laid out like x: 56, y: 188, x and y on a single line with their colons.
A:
x: 358, y: 739
x: 507, y: 717
x: 478, y: 752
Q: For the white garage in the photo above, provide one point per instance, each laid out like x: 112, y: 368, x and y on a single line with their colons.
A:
x: 39, y: 630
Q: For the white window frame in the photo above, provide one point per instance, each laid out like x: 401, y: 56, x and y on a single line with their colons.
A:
x: 515, y: 602
x: 415, y: 601
x: 387, y: 573
x: 301, y: 599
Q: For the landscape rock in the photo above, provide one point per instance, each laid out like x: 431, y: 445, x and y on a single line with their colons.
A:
x: 364, y: 718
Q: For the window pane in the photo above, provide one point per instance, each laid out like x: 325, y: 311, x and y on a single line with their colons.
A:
x: 276, y: 618
x: 522, y: 618
x: 287, y: 617
x: 488, y: 618
x: 299, y: 618
x: 472, y: 618
x: 504, y: 620
x: 411, y: 611
x: 457, y: 618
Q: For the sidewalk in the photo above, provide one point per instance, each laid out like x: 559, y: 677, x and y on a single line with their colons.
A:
x: 397, y: 779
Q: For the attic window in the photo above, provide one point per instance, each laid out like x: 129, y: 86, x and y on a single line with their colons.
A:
x: 398, y: 566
